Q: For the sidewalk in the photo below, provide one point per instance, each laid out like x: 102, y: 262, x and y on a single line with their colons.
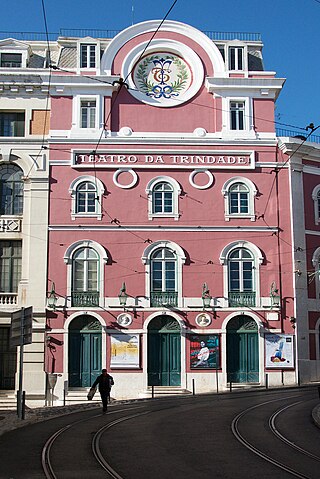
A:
x: 316, y: 415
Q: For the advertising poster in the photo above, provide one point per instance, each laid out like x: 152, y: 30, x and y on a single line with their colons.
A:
x: 279, y: 351
x: 125, y: 351
x: 204, y: 351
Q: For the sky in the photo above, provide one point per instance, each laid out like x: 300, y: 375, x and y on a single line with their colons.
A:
x: 289, y: 29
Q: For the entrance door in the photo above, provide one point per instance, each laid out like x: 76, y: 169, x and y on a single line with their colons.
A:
x: 242, y: 350
x: 164, y: 352
x: 85, y: 344
x: 8, y: 360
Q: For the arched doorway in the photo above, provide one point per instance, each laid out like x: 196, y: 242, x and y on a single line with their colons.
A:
x: 242, y: 350
x: 164, y: 352
x: 85, y: 341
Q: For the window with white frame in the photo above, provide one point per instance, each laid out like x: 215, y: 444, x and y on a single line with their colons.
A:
x: 237, y: 113
x: 239, y: 194
x: 86, y: 196
x: 88, y: 55
x: 164, y: 261
x: 11, y: 60
x: 241, y: 261
x: 85, y: 274
x: 163, y: 197
x: 88, y: 113
x: 316, y: 201
x: 10, y: 267
x: 236, y: 57
x: 12, y: 123
x: 11, y: 190
x: 316, y: 275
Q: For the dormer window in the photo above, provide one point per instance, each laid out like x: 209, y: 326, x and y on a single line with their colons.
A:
x: 11, y: 60
x: 236, y: 58
x: 87, y: 56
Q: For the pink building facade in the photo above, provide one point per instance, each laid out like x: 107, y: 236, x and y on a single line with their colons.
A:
x: 170, y: 225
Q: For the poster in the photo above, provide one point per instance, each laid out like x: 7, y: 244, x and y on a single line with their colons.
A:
x: 204, y: 351
x: 279, y: 351
x: 125, y: 351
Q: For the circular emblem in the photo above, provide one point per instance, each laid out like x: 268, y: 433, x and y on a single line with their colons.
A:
x: 203, y: 320
x: 124, y: 319
x: 162, y: 76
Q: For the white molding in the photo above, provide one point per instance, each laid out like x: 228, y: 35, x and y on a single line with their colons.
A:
x: 224, y: 228
x: 175, y: 197
x: 226, y: 194
x: 316, y: 199
x: 201, y: 170
x: 98, y: 202
x: 126, y: 170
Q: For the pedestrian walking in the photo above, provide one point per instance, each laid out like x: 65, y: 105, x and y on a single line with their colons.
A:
x: 104, y: 383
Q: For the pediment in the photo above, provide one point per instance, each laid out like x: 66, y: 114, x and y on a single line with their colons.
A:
x: 11, y: 43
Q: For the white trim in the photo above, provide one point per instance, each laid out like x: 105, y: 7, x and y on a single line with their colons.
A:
x: 133, y: 31
x: 316, y: 199
x: 203, y: 187
x: 181, y: 259
x: 76, y: 128
x: 316, y: 264
x: 127, y: 170
x: 88, y: 41
x: 248, y: 120
x: 175, y: 197
x: 99, y: 192
x: 258, y: 259
x: 251, y: 193
x: 317, y: 335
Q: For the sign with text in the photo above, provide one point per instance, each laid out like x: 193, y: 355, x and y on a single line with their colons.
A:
x: 21, y: 327
x: 172, y: 159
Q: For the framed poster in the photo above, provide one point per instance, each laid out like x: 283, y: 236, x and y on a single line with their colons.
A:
x: 125, y: 351
x: 279, y: 351
x: 204, y: 351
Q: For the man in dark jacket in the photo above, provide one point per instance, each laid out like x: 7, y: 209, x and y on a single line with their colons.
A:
x: 104, y: 382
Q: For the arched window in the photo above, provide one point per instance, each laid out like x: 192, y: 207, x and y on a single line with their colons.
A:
x: 316, y: 275
x: 316, y: 200
x: 241, y: 261
x: 86, y: 193
x: 163, y: 197
x: 163, y: 277
x: 11, y: 190
x: 86, y: 198
x: 85, y: 262
x: 164, y: 261
x: 239, y: 194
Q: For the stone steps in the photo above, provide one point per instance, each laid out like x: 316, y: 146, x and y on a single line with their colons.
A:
x: 162, y: 391
x: 8, y: 400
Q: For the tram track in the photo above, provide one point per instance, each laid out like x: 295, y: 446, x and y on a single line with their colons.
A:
x: 235, y: 427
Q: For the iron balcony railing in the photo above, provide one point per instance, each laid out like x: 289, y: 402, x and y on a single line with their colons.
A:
x: 97, y: 33
x: 87, y: 299
x: 246, y: 299
x: 302, y: 135
x: 160, y: 298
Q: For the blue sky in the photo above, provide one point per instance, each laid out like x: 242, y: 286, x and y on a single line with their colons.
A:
x: 289, y: 28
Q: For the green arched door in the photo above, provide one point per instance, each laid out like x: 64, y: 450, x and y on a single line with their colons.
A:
x: 242, y: 350
x: 164, y: 352
x: 85, y: 341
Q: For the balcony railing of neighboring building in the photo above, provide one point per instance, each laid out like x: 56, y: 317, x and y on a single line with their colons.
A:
x: 97, y: 33
x: 302, y: 135
x: 8, y: 299
x: 160, y: 298
x: 247, y: 299
x: 85, y: 299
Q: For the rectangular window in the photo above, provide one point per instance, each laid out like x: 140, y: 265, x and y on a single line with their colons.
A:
x: 235, y: 58
x: 10, y: 266
x: 11, y: 60
x: 237, y: 115
x: 88, y: 114
x: 12, y: 123
x: 87, y: 56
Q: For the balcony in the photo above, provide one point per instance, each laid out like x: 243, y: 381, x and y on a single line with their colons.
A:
x: 161, y: 298
x: 8, y: 299
x: 85, y: 299
x: 242, y: 300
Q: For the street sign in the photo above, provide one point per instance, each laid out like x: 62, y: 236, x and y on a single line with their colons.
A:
x: 21, y: 327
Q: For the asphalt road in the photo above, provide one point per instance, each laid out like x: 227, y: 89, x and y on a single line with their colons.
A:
x: 239, y: 435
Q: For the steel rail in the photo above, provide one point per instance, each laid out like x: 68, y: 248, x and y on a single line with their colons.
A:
x: 255, y: 450
x: 45, y: 454
x: 278, y: 434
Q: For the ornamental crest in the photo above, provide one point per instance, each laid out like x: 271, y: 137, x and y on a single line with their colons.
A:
x: 162, y: 76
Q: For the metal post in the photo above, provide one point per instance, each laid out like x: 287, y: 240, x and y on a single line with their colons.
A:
x: 152, y: 391
x: 19, y: 395
x: 282, y: 377
x: 230, y: 386
x: 319, y: 391
x: 193, y: 387
x: 23, y: 407
x: 64, y: 397
x: 267, y: 381
x: 217, y: 381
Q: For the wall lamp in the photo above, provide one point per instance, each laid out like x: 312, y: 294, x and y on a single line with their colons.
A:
x: 274, y: 296
x: 52, y: 298
x: 123, y: 295
x: 206, y: 298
